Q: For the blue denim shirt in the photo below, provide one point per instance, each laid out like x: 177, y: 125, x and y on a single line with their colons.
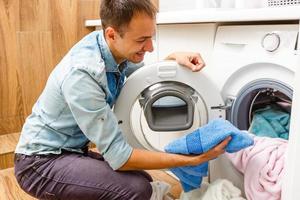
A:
x: 75, y: 105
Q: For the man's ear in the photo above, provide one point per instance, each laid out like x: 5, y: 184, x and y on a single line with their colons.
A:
x: 110, y: 33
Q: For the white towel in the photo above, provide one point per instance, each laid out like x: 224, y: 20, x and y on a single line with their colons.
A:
x: 194, y: 194
x: 160, y: 190
x: 222, y: 189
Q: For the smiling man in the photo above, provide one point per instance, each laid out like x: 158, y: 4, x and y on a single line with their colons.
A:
x: 131, y: 43
x: 52, y: 161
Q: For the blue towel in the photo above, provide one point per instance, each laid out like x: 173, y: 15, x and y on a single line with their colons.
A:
x: 198, y: 170
x: 191, y: 176
x: 202, y: 140
x: 270, y: 122
x: 188, y: 182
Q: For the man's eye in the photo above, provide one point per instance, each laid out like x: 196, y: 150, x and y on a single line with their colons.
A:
x: 143, y: 40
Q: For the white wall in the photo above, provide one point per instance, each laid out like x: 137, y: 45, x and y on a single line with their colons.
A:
x: 171, y: 5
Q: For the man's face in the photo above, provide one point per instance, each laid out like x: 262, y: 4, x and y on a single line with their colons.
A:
x: 136, y: 39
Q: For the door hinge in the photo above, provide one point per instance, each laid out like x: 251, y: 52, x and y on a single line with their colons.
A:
x: 228, y: 104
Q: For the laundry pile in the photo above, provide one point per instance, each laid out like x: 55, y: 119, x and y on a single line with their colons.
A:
x: 270, y: 121
x: 263, y: 167
x: 220, y: 189
x: 202, y: 140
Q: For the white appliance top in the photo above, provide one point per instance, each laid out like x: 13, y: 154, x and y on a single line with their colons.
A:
x: 222, y: 15
x: 229, y: 15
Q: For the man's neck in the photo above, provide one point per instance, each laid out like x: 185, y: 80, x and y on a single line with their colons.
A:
x: 115, y: 53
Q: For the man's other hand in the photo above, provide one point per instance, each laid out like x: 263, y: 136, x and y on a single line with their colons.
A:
x: 190, y: 60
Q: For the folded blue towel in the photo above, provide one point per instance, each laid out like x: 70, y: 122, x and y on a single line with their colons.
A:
x: 270, y: 122
x: 198, y: 170
x: 193, y: 181
x: 202, y: 140
x: 188, y: 182
x: 208, y: 136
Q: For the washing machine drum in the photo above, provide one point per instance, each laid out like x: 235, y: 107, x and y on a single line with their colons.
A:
x: 164, y: 101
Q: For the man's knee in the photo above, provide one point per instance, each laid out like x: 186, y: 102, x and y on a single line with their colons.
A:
x: 142, y: 190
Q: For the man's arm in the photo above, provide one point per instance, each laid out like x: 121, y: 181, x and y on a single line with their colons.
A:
x: 86, y: 100
x: 144, y: 159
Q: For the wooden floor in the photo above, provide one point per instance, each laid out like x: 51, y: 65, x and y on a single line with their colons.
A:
x: 7, y: 148
x: 9, y: 189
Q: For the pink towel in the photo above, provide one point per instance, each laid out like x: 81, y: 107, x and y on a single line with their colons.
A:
x: 262, y: 166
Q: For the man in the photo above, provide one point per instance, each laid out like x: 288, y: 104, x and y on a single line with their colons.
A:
x: 75, y: 107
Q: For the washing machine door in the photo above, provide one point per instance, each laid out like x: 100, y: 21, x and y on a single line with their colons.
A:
x: 164, y: 101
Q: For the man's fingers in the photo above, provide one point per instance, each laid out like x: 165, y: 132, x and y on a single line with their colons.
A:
x: 191, y: 61
x: 189, y: 64
x: 192, y: 66
x: 198, y: 61
x: 224, y: 143
x: 198, y: 67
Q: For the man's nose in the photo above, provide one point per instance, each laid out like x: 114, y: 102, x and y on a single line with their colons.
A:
x: 148, y: 45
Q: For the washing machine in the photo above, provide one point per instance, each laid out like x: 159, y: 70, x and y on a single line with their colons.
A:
x: 251, y: 66
x: 164, y: 101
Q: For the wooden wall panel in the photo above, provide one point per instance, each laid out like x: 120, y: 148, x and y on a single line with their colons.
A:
x: 87, y: 9
x: 35, y: 15
x: 11, y: 9
x: 64, y: 26
x: 11, y: 124
x: 11, y: 107
x: 35, y: 50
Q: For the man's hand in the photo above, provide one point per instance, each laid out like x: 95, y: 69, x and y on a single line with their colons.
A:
x: 212, y: 153
x: 188, y: 59
x: 161, y: 160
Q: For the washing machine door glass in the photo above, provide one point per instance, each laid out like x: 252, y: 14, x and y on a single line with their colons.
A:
x: 168, y: 106
x: 164, y: 101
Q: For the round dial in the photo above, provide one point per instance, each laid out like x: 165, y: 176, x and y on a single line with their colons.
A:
x: 271, y: 42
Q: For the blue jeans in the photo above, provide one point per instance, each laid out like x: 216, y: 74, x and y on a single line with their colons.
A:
x: 73, y: 176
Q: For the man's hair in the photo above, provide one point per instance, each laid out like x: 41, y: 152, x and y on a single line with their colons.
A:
x: 118, y: 13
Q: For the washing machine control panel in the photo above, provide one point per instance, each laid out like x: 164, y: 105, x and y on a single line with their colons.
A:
x: 271, y: 41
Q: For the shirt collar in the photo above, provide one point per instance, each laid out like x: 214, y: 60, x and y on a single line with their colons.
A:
x: 110, y: 62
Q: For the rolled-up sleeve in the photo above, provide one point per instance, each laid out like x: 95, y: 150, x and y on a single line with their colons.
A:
x: 86, y: 100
